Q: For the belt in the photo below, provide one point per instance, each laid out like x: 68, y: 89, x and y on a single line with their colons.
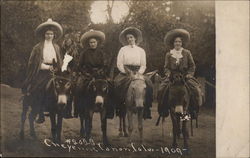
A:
x: 48, y: 64
x: 133, y: 67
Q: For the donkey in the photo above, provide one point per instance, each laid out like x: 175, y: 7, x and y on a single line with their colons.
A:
x: 93, y: 99
x: 178, y: 102
x: 57, y: 94
x: 134, y: 103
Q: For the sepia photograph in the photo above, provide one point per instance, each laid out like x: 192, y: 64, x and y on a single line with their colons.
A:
x: 109, y: 78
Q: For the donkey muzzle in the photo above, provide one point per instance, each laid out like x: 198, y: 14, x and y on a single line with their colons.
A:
x: 179, y: 109
x: 99, y: 101
x: 62, y: 99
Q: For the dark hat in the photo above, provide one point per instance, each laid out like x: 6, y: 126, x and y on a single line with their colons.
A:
x: 92, y: 34
x: 171, y: 35
x: 40, y: 30
x: 133, y: 31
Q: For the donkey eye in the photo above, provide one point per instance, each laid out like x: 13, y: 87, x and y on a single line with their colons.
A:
x: 104, y: 88
x: 57, y: 85
x: 68, y: 85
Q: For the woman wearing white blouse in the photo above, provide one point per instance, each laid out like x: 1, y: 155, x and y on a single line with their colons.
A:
x: 131, y: 58
x: 131, y: 55
x: 40, y: 63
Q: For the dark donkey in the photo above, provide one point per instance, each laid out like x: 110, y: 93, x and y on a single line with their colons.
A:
x: 178, y: 102
x: 93, y: 98
x: 57, y: 94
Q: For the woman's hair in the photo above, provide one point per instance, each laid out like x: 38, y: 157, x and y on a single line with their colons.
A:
x: 173, y: 39
x: 96, y: 38
x: 131, y: 33
x: 50, y: 28
x: 87, y: 44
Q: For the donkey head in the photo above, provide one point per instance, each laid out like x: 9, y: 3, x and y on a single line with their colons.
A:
x: 100, y: 88
x: 61, y: 85
x: 137, y: 90
x: 178, y: 94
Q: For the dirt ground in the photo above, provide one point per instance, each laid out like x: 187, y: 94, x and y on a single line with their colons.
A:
x: 157, y: 139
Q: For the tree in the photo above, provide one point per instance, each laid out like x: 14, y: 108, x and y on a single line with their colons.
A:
x: 156, y: 18
x: 19, y: 20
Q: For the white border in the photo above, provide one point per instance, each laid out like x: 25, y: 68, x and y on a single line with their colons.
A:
x: 232, y: 73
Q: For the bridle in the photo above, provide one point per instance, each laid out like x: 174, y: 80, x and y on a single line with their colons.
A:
x: 52, y: 80
x: 94, y: 80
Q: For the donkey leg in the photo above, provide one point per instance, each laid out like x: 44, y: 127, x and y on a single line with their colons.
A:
x: 59, y: 128
x: 140, y: 124
x: 124, y: 125
x: 104, y: 128
x: 32, y: 116
x: 174, y: 122
x: 53, y: 125
x: 130, y: 124
x: 89, y: 125
x: 185, y: 134
x: 178, y: 127
x: 120, y: 126
x: 82, y: 130
x: 23, y: 118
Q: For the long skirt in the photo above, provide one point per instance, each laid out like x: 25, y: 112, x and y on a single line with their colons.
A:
x: 37, y: 89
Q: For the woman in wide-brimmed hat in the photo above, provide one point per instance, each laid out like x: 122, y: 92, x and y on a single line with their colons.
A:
x: 92, y: 57
x: 131, y: 57
x: 40, y: 62
x: 93, y: 61
x: 179, y: 59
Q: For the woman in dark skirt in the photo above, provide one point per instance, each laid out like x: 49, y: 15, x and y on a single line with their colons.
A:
x: 180, y: 60
x: 92, y: 64
x: 40, y: 63
x: 131, y: 58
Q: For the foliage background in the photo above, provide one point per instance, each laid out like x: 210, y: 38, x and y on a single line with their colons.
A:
x: 155, y: 18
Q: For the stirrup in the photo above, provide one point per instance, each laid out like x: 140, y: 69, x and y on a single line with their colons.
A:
x: 185, y: 117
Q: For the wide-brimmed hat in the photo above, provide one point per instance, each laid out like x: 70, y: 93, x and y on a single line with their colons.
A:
x: 99, y: 35
x: 134, y: 31
x: 171, y: 35
x: 40, y: 30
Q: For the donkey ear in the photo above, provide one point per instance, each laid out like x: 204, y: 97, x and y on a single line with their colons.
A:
x: 54, y: 63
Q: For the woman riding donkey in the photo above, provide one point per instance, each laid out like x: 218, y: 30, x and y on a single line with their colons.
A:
x: 40, y: 64
x: 132, y: 58
x: 179, y: 60
x: 93, y: 63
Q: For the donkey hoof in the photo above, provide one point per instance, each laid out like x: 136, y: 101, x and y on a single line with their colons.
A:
x: 125, y: 134
x: 82, y: 135
x: 106, y: 143
x: 33, y: 135
x: 120, y: 134
x: 186, y: 151
x: 21, y: 135
x: 58, y: 141
x: 140, y: 141
x: 174, y: 145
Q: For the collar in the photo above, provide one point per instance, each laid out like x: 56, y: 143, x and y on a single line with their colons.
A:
x: 177, y: 54
x: 132, y: 46
x: 46, y: 42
